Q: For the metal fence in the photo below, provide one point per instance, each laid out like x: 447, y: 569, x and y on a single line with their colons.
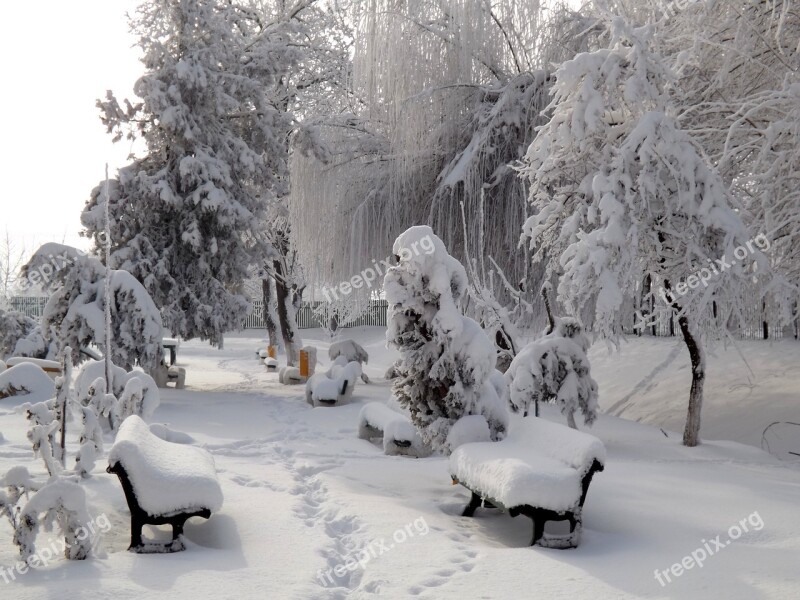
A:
x: 307, y: 318
x: 32, y: 306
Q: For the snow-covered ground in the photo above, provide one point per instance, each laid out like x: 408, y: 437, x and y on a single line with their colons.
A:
x: 304, y: 496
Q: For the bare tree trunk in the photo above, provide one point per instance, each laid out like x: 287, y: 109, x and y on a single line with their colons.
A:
x: 269, y: 311
x: 691, y: 433
x: 284, y: 294
x: 571, y: 419
x: 551, y: 324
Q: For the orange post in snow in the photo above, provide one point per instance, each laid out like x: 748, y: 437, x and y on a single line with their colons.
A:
x: 271, y: 351
x: 303, y: 363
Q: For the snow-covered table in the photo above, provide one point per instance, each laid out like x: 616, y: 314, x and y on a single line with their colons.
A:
x: 164, y: 483
x: 541, y: 470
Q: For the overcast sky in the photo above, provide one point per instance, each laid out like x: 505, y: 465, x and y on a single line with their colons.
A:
x: 58, y: 58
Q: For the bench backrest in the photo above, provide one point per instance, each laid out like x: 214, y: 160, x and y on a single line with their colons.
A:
x: 574, y: 448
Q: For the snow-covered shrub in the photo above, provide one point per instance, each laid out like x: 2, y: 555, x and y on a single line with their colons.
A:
x: 91, y: 442
x: 133, y: 392
x: 28, y: 381
x: 351, y: 351
x: 74, y: 315
x: 14, y: 326
x: 44, y: 426
x: 60, y: 502
x: 15, y: 485
x: 555, y: 368
x: 468, y: 429
x: 447, y: 357
x: 34, y: 345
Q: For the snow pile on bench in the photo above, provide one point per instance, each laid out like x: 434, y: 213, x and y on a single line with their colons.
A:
x: 51, y: 367
x: 377, y: 420
x: 539, y: 464
x: 334, y: 387
x: 166, y: 478
x: 28, y: 381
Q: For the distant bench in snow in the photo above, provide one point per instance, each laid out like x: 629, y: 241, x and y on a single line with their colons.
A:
x: 399, y: 437
x: 164, y: 483
x: 542, y: 470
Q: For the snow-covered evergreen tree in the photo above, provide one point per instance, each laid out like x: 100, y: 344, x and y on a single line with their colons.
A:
x: 74, y: 314
x: 186, y: 216
x: 447, y: 358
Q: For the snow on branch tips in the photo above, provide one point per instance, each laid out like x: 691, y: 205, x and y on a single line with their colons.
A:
x: 447, y: 359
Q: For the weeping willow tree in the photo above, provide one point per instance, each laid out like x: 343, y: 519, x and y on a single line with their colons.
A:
x: 436, y: 124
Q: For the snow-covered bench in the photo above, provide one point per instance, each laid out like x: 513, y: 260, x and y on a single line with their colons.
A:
x: 301, y: 373
x: 399, y: 436
x: 51, y: 367
x: 164, y: 483
x: 334, y: 387
x: 541, y: 470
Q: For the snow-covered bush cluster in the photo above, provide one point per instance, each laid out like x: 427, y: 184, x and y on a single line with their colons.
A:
x: 447, y: 359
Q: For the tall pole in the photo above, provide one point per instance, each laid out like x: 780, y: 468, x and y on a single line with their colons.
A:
x: 107, y: 291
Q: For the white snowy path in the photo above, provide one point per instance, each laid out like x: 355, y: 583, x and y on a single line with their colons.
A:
x: 303, y: 495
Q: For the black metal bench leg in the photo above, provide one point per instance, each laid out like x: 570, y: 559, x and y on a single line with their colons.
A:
x: 177, y: 529
x: 538, y: 529
x: 474, y: 503
x: 136, y: 532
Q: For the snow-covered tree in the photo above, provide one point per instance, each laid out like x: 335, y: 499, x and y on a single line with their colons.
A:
x: 74, y: 314
x: 555, y: 368
x: 447, y: 358
x: 60, y: 502
x: 186, y: 216
x: 621, y: 193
